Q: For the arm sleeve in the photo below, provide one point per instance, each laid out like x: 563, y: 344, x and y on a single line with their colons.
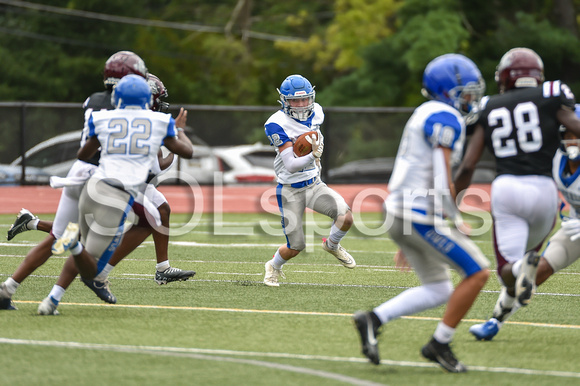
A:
x: 294, y: 164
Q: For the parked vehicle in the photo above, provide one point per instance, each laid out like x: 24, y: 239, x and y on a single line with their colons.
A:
x: 237, y: 164
x: 52, y: 157
x: 246, y: 164
x: 378, y: 171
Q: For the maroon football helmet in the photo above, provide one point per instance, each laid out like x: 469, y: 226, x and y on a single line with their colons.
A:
x: 519, y: 67
x: 158, y: 91
x: 123, y: 63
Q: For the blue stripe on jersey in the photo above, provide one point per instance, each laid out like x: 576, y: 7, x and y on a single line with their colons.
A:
x: 443, y: 129
x: 276, y: 134
x: 279, y: 199
x: 567, y: 180
x: 448, y: 248
x: 106, y: 256
x: 171, y: 132
x: 307, y: 122
x: 91, y: 125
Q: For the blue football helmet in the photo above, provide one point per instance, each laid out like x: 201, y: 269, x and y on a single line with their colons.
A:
x: 297, y: 88
x: 455, y: 80
x: 132, y: 91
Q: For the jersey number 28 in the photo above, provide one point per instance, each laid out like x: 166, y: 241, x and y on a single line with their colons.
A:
x: 527, y: 127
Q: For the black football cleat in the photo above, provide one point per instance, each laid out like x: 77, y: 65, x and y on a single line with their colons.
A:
x: 442, y: 354
x: 367, y: 330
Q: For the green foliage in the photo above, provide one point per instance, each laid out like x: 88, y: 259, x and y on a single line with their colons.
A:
x: 356, y: 52
x: 393, y: 67
x: 357, y: 23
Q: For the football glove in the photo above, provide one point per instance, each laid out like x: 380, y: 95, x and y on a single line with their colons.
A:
x: 572, y: 228
x: 317, y: 145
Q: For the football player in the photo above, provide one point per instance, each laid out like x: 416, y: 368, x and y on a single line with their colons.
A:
x: 520, y: 126
x: 299, y: 183
x: 563, y: 248
x: 118, y: 65
x: 421, y: 195
x: 129, y: 137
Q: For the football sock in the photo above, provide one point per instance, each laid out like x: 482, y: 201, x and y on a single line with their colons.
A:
x: 11, y: 285
x: 278, y: 261
x: 33, y: 224
x: 56, y: 293
x: 443, y: 333
x: 104, y: 274
x: 76, y: 249
x: 335, y: 236
x: 162, y: 266
x: 505, y: 306
x: 516, y: 267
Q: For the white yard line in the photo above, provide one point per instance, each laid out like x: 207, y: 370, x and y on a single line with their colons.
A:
x: 217, y: 355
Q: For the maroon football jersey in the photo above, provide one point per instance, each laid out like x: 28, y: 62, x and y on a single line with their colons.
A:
x: 521, y: 129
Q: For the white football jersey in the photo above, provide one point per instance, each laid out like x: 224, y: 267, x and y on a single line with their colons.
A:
x: 411, y: 185
x: 130, y: 140
x: 568, y: 184
x: 281, y: 128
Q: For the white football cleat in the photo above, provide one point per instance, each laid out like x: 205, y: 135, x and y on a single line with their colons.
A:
x: 69, y: 239
x: 47, y: 307
x: 341, y: 254
x: 526, y: 280
x: 272, y: 275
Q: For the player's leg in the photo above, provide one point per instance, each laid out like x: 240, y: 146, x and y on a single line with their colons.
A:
x: 164, y: 272
x: 291, y: 203
x: 67, y: 210
x: 25, y: 221
x: 521, y: 212
x: 67, y: 275
x: 325, y: 200
x: 541, y: 214
x: 462, y: 254
x: 435, y: 289
x: 103, y: 210
x: 34, y: 259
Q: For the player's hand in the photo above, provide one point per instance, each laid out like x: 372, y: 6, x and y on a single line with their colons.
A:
x: 317, y: 145
x: 401, y: 262
x: 181, y: 120
x: 572, y: 228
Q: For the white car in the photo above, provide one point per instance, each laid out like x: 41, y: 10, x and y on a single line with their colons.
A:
x: 237, y: 164
x: 246, y: 164
x: 52, y: 157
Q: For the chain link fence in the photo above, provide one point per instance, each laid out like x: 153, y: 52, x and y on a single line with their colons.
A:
x: 351, y: 134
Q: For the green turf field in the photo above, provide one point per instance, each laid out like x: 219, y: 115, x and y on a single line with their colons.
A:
x: 225, y: 327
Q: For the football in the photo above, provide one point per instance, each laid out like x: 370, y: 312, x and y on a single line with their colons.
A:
x: 302, y: 146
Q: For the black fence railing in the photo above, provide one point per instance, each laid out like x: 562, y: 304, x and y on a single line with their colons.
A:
x: 351, y: 134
